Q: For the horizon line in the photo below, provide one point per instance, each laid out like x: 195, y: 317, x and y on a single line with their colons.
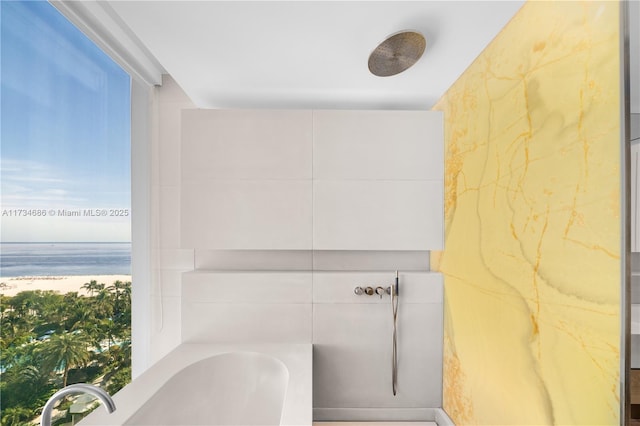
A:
x: 65, y: 242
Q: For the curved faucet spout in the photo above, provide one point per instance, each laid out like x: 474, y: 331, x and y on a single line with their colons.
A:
x: 45, y: 419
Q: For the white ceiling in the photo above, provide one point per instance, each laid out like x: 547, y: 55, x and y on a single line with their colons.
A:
x: 302, y: 54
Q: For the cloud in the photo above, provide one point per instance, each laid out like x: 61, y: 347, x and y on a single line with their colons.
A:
x: 27, y: 183
x: 63, y: 229
x: 32, y: 185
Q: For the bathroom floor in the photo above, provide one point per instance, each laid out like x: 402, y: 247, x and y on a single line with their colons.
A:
x: 374, y: 424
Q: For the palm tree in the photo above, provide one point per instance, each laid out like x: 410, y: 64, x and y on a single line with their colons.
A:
x: 65, y: 351
x: 109, y: 330
x: 80, y: 316
x: 23, y: 305
x: 16, y: 416
x: 92, y: 287
x: 122, y: 291
x: 103, y: 303
x: 13, y: 327
x: 28, y: 364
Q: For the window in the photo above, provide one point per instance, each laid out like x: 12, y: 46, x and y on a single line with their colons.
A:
x: 65, y: 211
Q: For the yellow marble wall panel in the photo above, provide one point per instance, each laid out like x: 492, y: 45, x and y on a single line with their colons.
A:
x: 532, y: 208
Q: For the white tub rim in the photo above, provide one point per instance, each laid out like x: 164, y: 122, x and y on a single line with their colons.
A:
x: 297, y: 358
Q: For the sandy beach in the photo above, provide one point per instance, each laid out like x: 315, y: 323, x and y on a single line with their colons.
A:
x: 10, y: 286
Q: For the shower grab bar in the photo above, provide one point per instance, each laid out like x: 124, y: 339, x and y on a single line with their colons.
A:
x: 394, y: 348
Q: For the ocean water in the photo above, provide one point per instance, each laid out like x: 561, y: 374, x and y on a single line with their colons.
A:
x: 64, y: 259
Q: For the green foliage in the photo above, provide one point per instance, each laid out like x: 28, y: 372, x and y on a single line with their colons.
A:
x: 16, y: 416
x: 48, y: 340
x: 64, y: 350
x: 119, y: 380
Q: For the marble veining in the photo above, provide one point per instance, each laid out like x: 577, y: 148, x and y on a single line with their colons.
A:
x: 532, y: 223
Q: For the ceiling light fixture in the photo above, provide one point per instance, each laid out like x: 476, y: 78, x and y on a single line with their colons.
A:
x: 397, y: 53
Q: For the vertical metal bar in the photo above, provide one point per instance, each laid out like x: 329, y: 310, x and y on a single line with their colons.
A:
x: 625, y: 206
x: 394, y: 347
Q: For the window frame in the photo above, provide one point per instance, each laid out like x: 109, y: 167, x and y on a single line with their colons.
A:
x: 98, y: 22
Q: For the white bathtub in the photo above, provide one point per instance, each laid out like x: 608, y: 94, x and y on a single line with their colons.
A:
x: 213, y: 384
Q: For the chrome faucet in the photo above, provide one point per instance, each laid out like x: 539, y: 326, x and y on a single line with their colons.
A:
x: 45, y: 419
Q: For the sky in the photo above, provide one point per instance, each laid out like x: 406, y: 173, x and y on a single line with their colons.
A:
x: 65, y: 132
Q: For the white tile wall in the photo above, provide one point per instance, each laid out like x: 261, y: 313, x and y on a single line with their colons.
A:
x: 247, y: 287
x: 169, y: 141
x: 171, y: 92
x: 635, y: 350
x: 352, y: 341
x: 635, y: 288
x: 256, y: 323
x: 415, y: 287
x: 174, y: 259
x: 370, y: 260
x: 378, y: 145
x: 377, y: 215
x: 246, y: 307
x: 254, y: 260
x: 352, y: 355
x: 247, y: 214
x: 169, y: 283
x: 236, y: 163
x: 635, y: 263
x: 352, y: 336
x: 168, y: 260
x: 165, y: 325
x: 246, y: 179
x: 243, y: 144
x: 169, y: 216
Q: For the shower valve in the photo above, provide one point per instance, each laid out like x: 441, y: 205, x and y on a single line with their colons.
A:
x: 370, y: 291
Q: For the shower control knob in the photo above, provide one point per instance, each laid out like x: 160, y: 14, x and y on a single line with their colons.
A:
x: 380, y: 291
x: 369, y: 291
x: 358, y: 290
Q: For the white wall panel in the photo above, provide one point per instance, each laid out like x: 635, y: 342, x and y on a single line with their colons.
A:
x: 167, y: 259
x: 254, y: 260
x: 246, y: 307
x: 377, y: 215
x: 169, y: 217
x: 169, y: 283
x: 378, y: 145
x: 352, y: 338
x: 352, y: 356
x: 253, y: 322
x: 370, y: 260
x: 175, y: 259
x: 337, y: 287
x: 165, y: 325
x: 289, y: 182
x: 246, y: 144
x: 247, y: 214
x: 169, y: 143
x: 247, y: 287
x: 395, y: 158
